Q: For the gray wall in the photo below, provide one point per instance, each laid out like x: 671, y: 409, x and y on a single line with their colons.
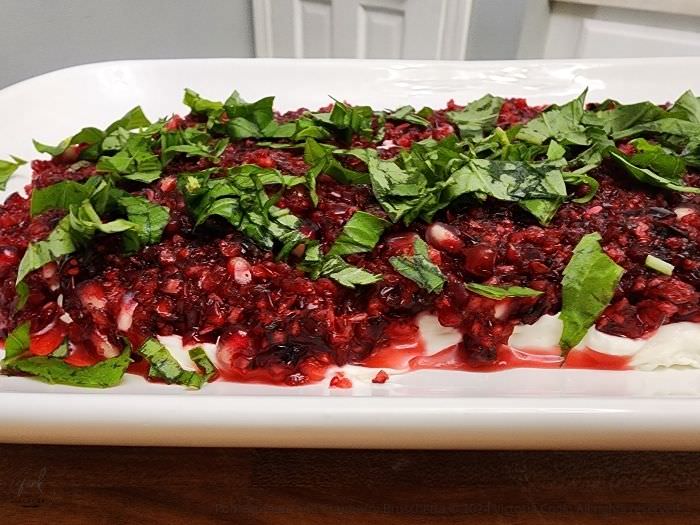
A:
x: 37, y: 36
x: 494, y: 28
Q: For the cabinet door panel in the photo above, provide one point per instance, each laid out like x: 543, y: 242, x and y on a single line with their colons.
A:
x: 362, y: 28
x: 600, y: 38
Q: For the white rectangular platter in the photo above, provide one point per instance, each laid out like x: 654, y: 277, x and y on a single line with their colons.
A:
x: 522, y: 408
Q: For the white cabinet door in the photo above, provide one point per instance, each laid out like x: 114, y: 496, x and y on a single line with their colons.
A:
x: 362, y: 28
x: 603, y: 28
x: 600, y: 38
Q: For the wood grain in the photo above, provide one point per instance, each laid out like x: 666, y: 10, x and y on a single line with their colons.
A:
x: 100, y: 485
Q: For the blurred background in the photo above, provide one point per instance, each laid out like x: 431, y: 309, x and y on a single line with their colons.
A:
x: 37, y: 36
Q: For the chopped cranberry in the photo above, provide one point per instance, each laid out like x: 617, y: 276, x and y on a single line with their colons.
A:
x: 340, y: 381
x: 479, y: 260
x: 175, y: 122
x: 47, y: 339
x: 381, y: 377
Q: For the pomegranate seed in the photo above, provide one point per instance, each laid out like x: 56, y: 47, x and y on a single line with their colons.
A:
x: 240, y: 269
x: 126, y: 313
x: 92, y: 295
x: 71, y: 154
x: 172, y: 286
x: 265, y: 162
x: 8, y: 256
x: 49, y: 272
x: 627, y: 148
x: 168, y: 183
x: 444, y: 237
x: 103, y: 345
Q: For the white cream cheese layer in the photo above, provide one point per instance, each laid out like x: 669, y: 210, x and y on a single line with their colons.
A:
x: 676, y: 344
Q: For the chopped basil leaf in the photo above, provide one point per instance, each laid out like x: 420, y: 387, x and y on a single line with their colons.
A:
x: 240, y: 128
x: 191, y: 141
x: 478, y: 117
x: 576, y: 178
x: 201, y: 359
x: 501, y: 292
x: 149, y: 218
x: 541, y: 189
x: 199, y: 105
x: 360, y: 234
x: 52, y: 370
x: 62, y: 195
x: 85, y: 223
x: 346, y: 121
x: 623, y: 116
x: 321, y: 159
x: 22, y: 291
x: 555, y: 151
x: 649, y: 177
x: 17, y: 341
x: 318, y: 158
x: 166, y: 367
x: 82, y: 222
x: 298, y: 130
x: 543, y: 210
x: 659, y: 265
x: 61, y: 351
x: 562, y: 123
x: 246, y: 119
x: 334, y: 267
x: 135, y: 162
x: 93, y: 137
x: 240, y: 198
x: 687, y: 107
x: 509, y: 181
x: 691, y: 153
x: 590, y: 280
x: 657, y: 159
x: 58, y: 244
x: 346, y: 274
x: 409, y: 114
x: 668, y: 125
x: 90, y: 136
x: 419, y: 268
x: 397, y: 190
x: 134, y: 119
x: 592, y: 157
x: 7, y: 168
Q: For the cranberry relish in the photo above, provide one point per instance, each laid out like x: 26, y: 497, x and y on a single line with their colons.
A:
x: 284, y: 320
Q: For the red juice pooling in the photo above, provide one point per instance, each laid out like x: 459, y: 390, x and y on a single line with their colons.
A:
x: 275, y: 323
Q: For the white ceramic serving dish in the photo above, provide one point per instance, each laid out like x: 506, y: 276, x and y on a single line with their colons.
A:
x: 427, y: 409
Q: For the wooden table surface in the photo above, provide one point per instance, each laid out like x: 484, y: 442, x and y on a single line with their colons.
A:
x: 99, y: 485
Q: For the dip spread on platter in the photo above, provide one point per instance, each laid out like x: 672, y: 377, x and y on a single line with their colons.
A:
x: 241, y: 244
